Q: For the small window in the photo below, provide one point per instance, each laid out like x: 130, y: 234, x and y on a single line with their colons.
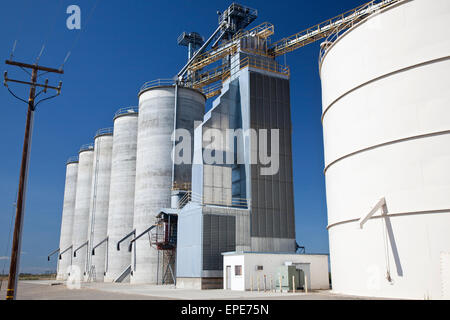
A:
x: 238, y: 270
x: 259, y: 268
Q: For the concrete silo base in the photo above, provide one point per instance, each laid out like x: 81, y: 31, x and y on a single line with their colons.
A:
x: 200, y: 283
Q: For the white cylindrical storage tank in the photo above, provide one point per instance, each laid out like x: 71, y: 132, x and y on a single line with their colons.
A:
x: 121, y: 192
x: 81, y: 216
x: 154, y: 165
x: 65, y: 242
x: 98, y: 213
x: 386, y: 124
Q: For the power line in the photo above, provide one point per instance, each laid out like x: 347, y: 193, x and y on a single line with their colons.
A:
x: 76, y: 40
x: 13, y: 50
x: 40, y: 54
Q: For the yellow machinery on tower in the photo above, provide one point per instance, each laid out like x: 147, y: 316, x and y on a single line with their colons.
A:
x: 203, y: 72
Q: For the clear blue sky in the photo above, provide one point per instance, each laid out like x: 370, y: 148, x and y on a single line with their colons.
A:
x: 124, y: 44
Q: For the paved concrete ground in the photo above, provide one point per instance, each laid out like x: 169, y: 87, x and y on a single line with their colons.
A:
x: 39, y: 290
x: 53, y: 290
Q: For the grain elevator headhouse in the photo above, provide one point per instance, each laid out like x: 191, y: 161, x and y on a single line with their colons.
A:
x: 241, y: 196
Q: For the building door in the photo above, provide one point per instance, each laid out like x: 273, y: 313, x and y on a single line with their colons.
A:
x: 228, y: 275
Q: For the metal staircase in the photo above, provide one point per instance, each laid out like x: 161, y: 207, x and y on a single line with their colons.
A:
x: 125, y: 273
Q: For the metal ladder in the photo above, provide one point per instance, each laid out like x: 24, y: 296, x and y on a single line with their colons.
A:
x: 93, y: 205
x: 92, y: 275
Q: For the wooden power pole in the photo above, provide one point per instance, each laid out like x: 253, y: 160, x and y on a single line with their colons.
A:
x: 17, y: 236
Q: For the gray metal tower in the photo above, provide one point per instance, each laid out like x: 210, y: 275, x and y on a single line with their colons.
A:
x: 237, y: 205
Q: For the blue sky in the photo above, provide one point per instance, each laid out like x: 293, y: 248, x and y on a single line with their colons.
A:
x: 124, y: 44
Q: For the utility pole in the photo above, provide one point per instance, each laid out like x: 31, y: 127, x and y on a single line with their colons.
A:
x: 17, y: 236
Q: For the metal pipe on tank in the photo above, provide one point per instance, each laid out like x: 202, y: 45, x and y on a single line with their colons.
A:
x: 174, y: 129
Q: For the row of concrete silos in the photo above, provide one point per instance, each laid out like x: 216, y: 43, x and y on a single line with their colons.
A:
x: 119, y: 184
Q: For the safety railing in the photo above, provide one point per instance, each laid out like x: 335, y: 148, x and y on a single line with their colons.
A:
x: 210, y: 76
x: 126, y: 110
x: 264, y: 30
x: 293, y: 42
x: 212, y: 56
x: 157, y: 83
x: 184, y: 200
x: 232, y: 202
x: 328, y: 27
x: 254, y: 62
x: 212, y: 90
x: 257, y: 51
x: 250, y: 12
x: 159, y: 237
x: 164, y: 236
x: 104, y: 131
x: 72, y: 159
x: 86, y: 147
x: 266, y: 65
x: 199, y: 199
x: 353, y: 17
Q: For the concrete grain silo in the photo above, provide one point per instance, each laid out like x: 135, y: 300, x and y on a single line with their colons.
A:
x: 81, y: 216
x: 65, y: 243
x: 98, y: 213
x: 155, y: 172
x: 121, y: 194
x: 386, y: 123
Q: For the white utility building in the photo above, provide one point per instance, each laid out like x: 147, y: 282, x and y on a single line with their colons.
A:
x: 253, y: 270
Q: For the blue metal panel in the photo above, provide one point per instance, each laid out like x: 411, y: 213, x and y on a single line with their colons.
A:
x: 189, y: 247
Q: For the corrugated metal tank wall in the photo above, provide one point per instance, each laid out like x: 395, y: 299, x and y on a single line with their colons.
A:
x: 98, y: 213
x: 121, y: 194
x: 82, y: 204
x: 67, y: 218
x: 386, y: 122
x: 154, y: 164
